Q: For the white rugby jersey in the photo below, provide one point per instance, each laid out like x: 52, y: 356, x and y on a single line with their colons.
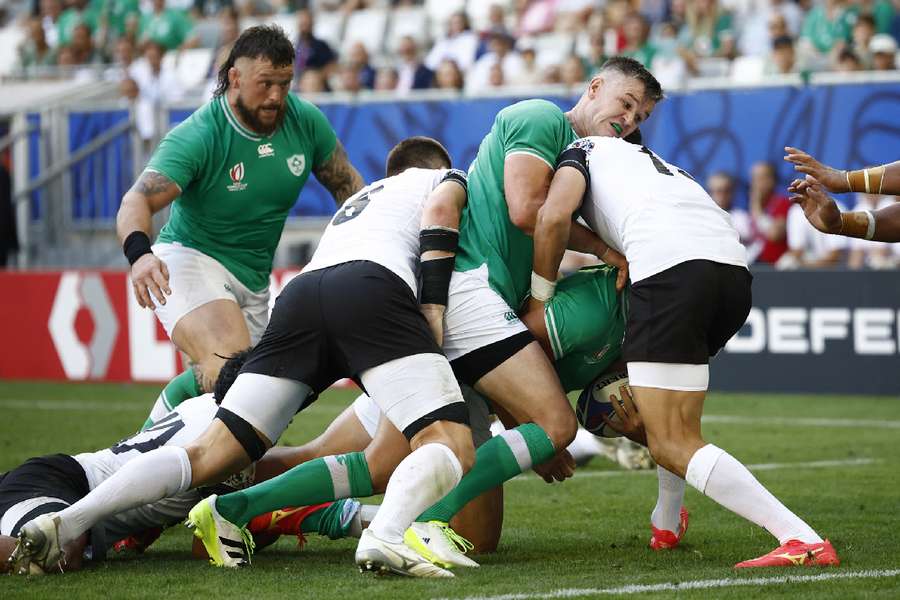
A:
x: 177, y: 428
x: 651, y: 211
x: 381, y: 223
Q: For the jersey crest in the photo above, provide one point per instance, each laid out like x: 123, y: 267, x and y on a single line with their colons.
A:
x: 237, y: 175
x: 296, y: 164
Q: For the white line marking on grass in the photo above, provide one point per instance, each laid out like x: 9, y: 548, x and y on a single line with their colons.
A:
x: 85, y: 405
x: 802, y: 421
x: 816, y: 464
x: 699, y: 584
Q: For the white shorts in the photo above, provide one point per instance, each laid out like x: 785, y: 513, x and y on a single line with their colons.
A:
x: 476, y: 315
x: 669, y: 376
x: 196, y: 279
x: 369, y: 414
x: 409, y: 388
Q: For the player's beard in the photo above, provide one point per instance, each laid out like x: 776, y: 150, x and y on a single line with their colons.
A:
x: 251, y: 117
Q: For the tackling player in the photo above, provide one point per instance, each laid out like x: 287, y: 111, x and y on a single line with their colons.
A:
x: 231, y: 171
x: 690, y: 294
x: 352, y: 312
x: 823, y: 213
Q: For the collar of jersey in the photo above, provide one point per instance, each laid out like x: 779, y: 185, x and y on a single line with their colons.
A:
x: 233, y: 121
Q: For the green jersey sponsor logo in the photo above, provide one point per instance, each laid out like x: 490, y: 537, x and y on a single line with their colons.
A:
x: 265, y: 150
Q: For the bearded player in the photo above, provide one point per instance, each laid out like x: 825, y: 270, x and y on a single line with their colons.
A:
x: 231, y: 171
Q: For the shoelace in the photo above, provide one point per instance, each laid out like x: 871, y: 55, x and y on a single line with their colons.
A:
x: 461, y: 543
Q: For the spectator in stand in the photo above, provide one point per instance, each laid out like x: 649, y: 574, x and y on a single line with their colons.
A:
x: 310, y: 51
x: 848, y: 61
x: 123, y: 57
x: 614, y: 15
x: 313, y: 81
x: 809, y: 248
x: 229, y: 30
x: 769, y: 212
x: 386, y: 79
x: 571, y: 71
x: 459, y: 45
x: 167, y: 27
x: 411, y: 73
x: 881, y: 10
x: 35, y: 51
x: 348, y: 78
x: 708, y: 32
x: 50, y: 13
x: 530, y: 73
x: 495, y: 76
x: 721, y: 188
x: 867, y: 253
x: 573, y: 15
x: 827, y: 26
x: 82, y: 46
x: 668, y: 65
x: 596, y: 54
x: 448, y: 76
x: 358, y: 57
x: 496, y: 24
x: 118, y: 17
x: 156, y: 86
x: 782, y: 60
x: 755, y: 25
x: 861, y: 37
x: 884, y: 51
x: 502, y: 54
x: 636, y: 31
x: 535, y: 17
x: 78, y: 12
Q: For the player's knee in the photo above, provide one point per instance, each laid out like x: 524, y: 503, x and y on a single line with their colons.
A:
x: 560, y: 426
x: 380, y: 472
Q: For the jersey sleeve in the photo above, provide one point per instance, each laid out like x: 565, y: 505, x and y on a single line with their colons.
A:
x: 533, y: 127
x: 575, y: 156
x: 181, y: 154
x: 457, y: 176
x: 324, y: 139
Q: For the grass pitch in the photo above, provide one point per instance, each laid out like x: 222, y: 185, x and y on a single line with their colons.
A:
x: 832, y: 459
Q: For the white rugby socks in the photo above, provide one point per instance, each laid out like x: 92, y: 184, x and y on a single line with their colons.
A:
x: 667, y: 513
x: 150, y: 477
x: 420, y: 480
x: 721, y: 477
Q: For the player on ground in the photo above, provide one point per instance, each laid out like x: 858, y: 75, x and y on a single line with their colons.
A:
x: 690, y: 294
x: 823, y: 212
x: 351, y: 312
x: 231, y: 171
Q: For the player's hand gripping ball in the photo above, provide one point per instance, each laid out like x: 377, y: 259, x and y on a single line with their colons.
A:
x: 594, y: 403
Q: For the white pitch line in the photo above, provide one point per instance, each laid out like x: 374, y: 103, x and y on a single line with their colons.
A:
x: 698, y: 584
x: 816, y: 464
x: 803, y: 421
x: 101, y: 406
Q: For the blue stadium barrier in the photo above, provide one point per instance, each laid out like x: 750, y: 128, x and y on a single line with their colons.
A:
x: 849, y: 125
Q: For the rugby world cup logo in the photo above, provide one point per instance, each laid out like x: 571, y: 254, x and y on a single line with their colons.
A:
x: 237, y: 175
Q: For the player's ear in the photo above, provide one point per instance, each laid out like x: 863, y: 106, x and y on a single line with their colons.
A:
x: 594, y: 86
x: 234, y: 78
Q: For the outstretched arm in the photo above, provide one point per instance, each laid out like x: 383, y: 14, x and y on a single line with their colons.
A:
x: 823, y: 213
x: 883, y: 179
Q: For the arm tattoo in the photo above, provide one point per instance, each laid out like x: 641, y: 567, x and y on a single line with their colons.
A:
x: 339, y: 176
x: 204, y: 383
x: 151, y: 183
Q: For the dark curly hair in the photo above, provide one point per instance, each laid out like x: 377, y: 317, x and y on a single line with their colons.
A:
x: 229, y: 373
x: 262, y: 41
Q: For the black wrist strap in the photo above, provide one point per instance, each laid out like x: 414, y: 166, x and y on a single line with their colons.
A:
x: 436, y: 280
x: 136, y: 245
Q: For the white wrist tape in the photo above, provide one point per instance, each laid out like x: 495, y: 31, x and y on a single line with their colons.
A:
x: 870, y: 233
x: 542, y: 289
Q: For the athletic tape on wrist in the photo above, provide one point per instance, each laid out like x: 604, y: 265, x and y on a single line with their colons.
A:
x: 445, y: 239
x: 136, y: 245
x: 870, y: 228
x: 542, y: 289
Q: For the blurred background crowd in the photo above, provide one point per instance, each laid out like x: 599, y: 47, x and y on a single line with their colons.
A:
x: 162, y: 51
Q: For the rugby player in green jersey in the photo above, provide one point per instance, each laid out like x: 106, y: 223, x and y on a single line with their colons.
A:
x: 231, y: 171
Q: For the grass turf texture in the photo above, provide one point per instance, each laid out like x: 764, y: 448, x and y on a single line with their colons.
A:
x: 588, y: 533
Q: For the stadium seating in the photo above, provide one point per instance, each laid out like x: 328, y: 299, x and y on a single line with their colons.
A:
x: 366, y: 26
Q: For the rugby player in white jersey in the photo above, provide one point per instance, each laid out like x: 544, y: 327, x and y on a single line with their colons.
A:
x: 690, y: 293
x: 351, y: 313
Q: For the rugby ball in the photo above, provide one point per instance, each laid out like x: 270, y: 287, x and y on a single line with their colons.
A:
x: 594, y: 403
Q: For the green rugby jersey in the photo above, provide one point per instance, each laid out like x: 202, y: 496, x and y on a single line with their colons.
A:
x: 586, y: 324
x: 237, y: 187
x: 534, y: 127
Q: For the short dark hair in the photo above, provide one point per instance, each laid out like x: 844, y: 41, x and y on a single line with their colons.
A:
x: 417, y: 151
x: 631, y: 68
x: 228, y: 373
x: 866, y: 18
x: 262, y: 41
x: 782, y: 41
